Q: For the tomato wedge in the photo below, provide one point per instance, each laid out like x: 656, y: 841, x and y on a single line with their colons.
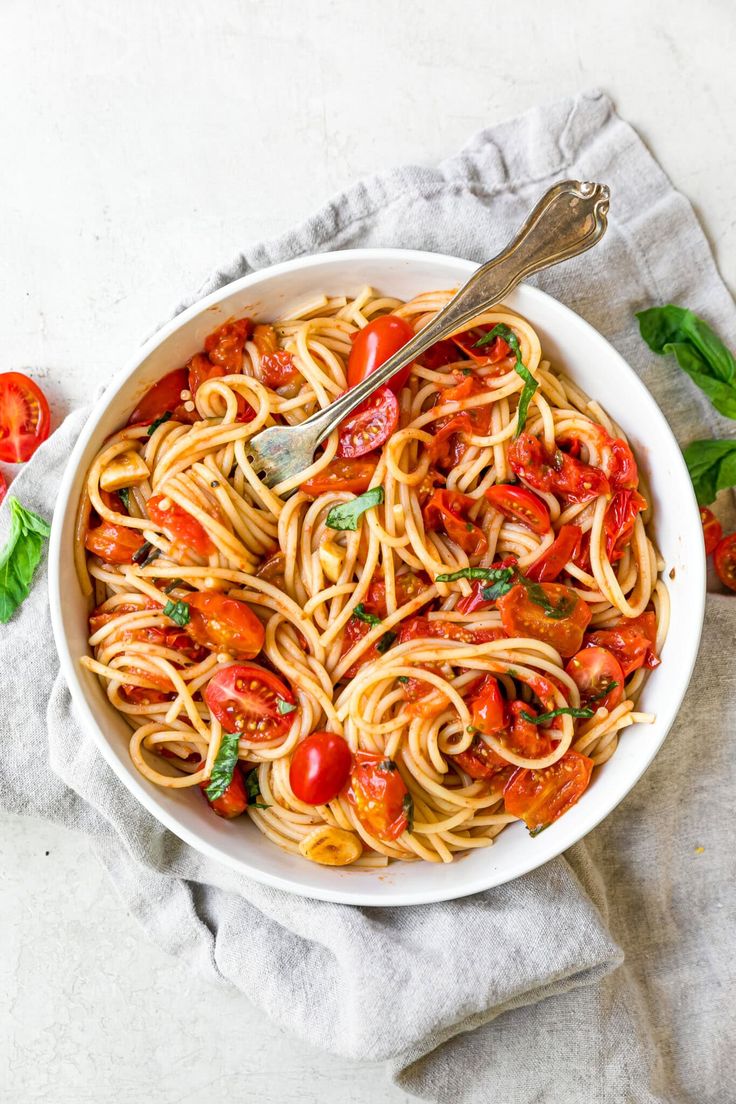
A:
x: 202, y: 369
x: 180, y: 524
x: 378, y: 794
x: 250, y: 700
x: 495, y: 351
x: 25, y: 420
x: 224, y: 346
x: 622, y: 471
x: 560, y: 552
x: 407, y: 586
x: 562, y: 474
x: 439, y: 355
x: 113, y: 543
x: 446, y: 511
x: 353, y: 474
x: 320, y: 767
x: 233, y: 801
x: 374, y: 345
x: 712, y: 531
x: 488, y: 707
x: 481, y: 761
x: 618, y: 523
x: 164, y: 397
x: 724, y: 558
x: 221, y: 623
x: 539, y: 797
x: 631, y: 641
x: 548, y: 612
x: 370, y: 425
x: 598, y: 676
x: 520, y: 505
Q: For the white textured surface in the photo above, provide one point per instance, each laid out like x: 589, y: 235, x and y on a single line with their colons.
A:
x: 142, y: 144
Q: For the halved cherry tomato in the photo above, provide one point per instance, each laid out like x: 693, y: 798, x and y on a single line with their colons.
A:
x: 233, y: 801
x: 618, y: 523
x: 439, y: 354
x: 221, y: 623
x: 407, y: 586
x: 224, y: 346
x: 522, y: 616
x: 3, y: 487
x: 370, y: 425
x: 113, y: 543
x: 342, y: 475
x: 488, y: 707
x: 446, y: 510
x: 520, y: 505
x: 25, y: 420
x: 374, y: 345
x: 248, y: 699
x: 354, y: 631
x: 539, y: 797
x: 180, y: 524
x: 481, y: 761
x: 202, y: 369
x: 496, y: 350
x: 421, y: 628
x: 320, y: 768
x: 377, y: 792
x: 473, y: 602
x: 560, y: 552
x: 598, y: 676
x: 622, y: 472
x: 631, y: 641
x: 278, y: 369
x: 144, y: 695
x: 561, y: 474
x: 724, y: 559
x: 712, y: 530
x: 163, y: 397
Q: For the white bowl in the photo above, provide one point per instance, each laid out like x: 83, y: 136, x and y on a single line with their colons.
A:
x: 600, y: 371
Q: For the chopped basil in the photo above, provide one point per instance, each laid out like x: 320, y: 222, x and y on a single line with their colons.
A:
x: 124, y: 496
x: 403, y: 678
x: 408, y: 806
x: 473, y: 730
x: 165, y: 417
x: 490, y: 573
x: 530, y: 384
x: 285, y: 707
x: 362, y: 614
x: 537, y: 595
x: 253, y: 790
x: 173, y: 585
x: 178, y: 612
x: 467, y: 371
x: 385, y: 642
x: 224, y: 765
x: 602, y: 693
x: 387, y: 764
x: 346, y: 515
x: 569, y: 711
x: 20, y: 557
x: 502, y: 585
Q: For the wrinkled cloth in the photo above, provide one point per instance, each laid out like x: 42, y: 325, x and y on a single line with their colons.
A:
x: 607, y: 975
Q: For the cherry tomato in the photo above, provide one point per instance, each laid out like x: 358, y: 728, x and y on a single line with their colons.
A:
x: 354, y: 631
x: 523, y: 737
x: 439, y: 354
x: 539, y: 797
x: 481, y: 761
x: 598, y: 676
x: 377, y: 792
x: 561, y: 473
x: 163, y: 397
x: 248, y: 699
x: 495, y: 351
x: 522, y: 616
x: 712, y: 530
x: 224, y: 624
x: 631, y: 641
x: 278, y: 369
x: 370, y: 425
x: 202, y: 369
x: 446, y: 510
x: 113, y: 543
x: 374, y: 345
x: 560, y: 552
x: 520, y: 505
x: 488, y: 707
x: 25, y: 420
x: 320, y: 768
x: 3, y: 487
x: 144, y: 695
x: 233, y: 801
x: 724, y: 559
x: 342, y: 475
x: 179, y: 524
x: 421, y: 628
x: 623, y: 472
x: 618, y: 523
x: 473, y: 602
x: 407, y: 586
x: 224, y: 346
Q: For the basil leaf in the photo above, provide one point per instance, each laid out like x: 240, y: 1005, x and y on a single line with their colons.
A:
x: 224, y: 765
x: 530, y: 384
x: 408, y: 807
x: 20, y: 557
x: 698, y: 350
x: 385, y: 642
x: 602, y: 693
x: 537, y: 595
x: 178, y: 612
x: 143, y: 553
x: 402, y: 678
x: 712, y: 467
x: 346, y: 515
x: 569, y: 711
x: 285, y: 707
x: 173, y: 585
x: 165, y: 417
x: 498, y: 589
x: 362, y: 614
x: 387, y: 764
x: 124, y: 496
x: 252, y: 786
x: 490, y: 573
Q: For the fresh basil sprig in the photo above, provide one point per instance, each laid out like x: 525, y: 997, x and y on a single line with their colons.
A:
x: 20, y: 557
x: 712, y: 467
x: 224, y: 765
x: 346, y: 515
x: 697, y: 349
x: 530, y: 384
x: 178, y: 612
x: 569, y: 711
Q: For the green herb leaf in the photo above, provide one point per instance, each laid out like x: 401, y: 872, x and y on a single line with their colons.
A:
x: 362, y: 614
x: 530, y: 384
x: 285, y: 707
x: 489, y: 573
x: 141, y: 556
x: 602, y: 693
x: 569, y: 711
x: 259, y: 805
x: 387, y: 764
x: 697, y: 349
x: 20, y: 557
x: 712, y: 467
x: 178, y: 612
x: 536, y: 594
x: 173, y: 585
x: 403, y: 678
x: 385, y: 642
x: 252, y: 786
x: 124, y: 495
x: 408, y: 806
x: 223, y: 766
x: 346, y: 515
x: 165, y: 417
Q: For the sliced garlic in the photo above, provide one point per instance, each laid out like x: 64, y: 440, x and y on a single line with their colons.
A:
x: 127, y: 470
x: 331, y: 558
x: 331, y: 846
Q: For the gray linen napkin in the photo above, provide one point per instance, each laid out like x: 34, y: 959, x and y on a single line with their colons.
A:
x: 528, y: 965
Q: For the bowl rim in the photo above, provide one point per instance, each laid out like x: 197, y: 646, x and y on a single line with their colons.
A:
x: 347, y: 894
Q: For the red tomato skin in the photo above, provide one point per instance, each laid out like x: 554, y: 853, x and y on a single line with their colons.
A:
x: 25, y: 419
x: 342, y: 475
x: 374, y: 345
x: 712, y: 529
x: 377, y: 794
x: 3, y: 487
x: 446, y: 510
x: 238, y: 629
x: 163, y: 396
x: 631, y: 641
x: 539, y: 797
x: 244, y: 698
x: 724, y: 558
x: 561, y: 551
x: 180, y: 524
x: 488, y: 707
x: 480, y: 761
x: 591, y: 670
x: 113, y: 543
x: 495, y: 351
x: 234, y: 801
x: 562, y: 474
x: 370, y: 425
x: 439, y: 355
x: 224, y: 346
x: 621, y: 514
x: 522, y: 617
x: 320, y: 767
x: 520, y: 505
x: 623, y: 472
x: 354, y: 631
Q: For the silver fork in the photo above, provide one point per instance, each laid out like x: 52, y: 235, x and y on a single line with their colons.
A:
x: 569, y: 218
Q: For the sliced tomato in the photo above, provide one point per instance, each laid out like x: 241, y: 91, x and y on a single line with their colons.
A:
x: 224, y: 346
x: 250, y: 700
x: 233, y: 801
x: 378, y: 794
x: 712, y: 530
x: 623, y: 473
x: 562, y: 474
x: 370, y: 425
x: 407, y: 586
x: 446, y: 510
x: 539, y: 797
x: 488, y: 707
x: 560, y: 552
x: 3, y: 487
x: 581, y: 554
x: 522, y: 616
x: 724, y: 559
x: 374, y: 345
x: 25, y: 420
x: 439, y: 355
x: 224, y: 624
x: 520, y: 505
x: 278, y: 369
x: 495, y: 351
x: 144, y: 695
x: 114, y: 543
x: 179, y: 524
x: 320, y: 767
x: 480, y: 760
x: 618, y: 523
x: 164, y: 397
x: 421, y: 628
x: 598, y: 676
x: 354, y: 631
x: 342, y: 474
x: 632, y: 641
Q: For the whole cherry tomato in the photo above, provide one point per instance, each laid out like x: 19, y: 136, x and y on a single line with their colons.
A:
x: 320, y: 768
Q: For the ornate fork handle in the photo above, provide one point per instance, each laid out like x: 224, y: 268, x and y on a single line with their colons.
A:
x: 570, y: 218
